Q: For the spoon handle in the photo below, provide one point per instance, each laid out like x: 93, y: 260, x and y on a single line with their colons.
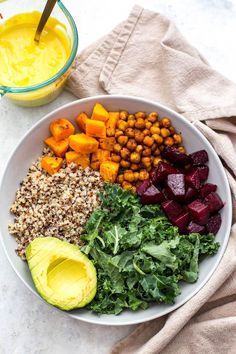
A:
x: 44, y: 17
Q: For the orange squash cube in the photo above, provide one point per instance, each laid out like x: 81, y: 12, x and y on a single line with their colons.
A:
x: 101, y: 155
x: 81, y: 121
x: 100, y: 113
x: 58, y: 147
x: 95, y: 128
x: 82, y: 160
x: 107, y: 143
x: 61, y: 129
x: 83, y: 143
x: 109, y: 171
x: 95, y: 165
x: 113, y: 118
x: 51, y: 164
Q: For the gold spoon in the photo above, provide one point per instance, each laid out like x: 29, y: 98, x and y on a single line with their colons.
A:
x: 44, y: 17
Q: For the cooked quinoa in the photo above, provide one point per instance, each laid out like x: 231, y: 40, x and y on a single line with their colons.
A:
x: 57, y: 205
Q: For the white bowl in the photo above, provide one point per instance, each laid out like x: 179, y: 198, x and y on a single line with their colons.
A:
x: 29, y: 149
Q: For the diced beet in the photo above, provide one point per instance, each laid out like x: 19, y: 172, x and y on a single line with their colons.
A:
x: 194, y: 227
x: 207, y: 189
x: 174, y: 155
x: 203, y: 172
x: 162, y: 170
x: 166, y: 193
x: 190, y: 194
x: 199, y: 157
x: 192, y: 179
x: 199, y: 212
x: 152, y: 195
x: 143, y: 186
x: 214, y: 202
x: 152, y: 175
x: 181, y: 221
x: 172, y: 209
x: 214, y: 223
x: 175, y: 185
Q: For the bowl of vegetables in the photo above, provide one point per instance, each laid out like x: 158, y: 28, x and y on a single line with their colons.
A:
x: 157, y: 230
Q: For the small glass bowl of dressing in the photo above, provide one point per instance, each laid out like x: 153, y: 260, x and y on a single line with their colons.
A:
x: 33, y: 74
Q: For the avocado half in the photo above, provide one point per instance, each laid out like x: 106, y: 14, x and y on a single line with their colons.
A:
x: 62, y: 274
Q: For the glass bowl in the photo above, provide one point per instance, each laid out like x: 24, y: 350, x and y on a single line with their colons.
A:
x: 46, y: 91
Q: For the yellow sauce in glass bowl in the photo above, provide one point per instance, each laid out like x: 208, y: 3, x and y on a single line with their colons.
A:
x: 24, y: 62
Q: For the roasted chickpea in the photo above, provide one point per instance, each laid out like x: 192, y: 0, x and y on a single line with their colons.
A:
x: 139, y: 148
x: 156, y: 124
x: 140, y: 123
x: 131, y: 145
x: 124, y: 164
x: 148, y: 141
x: 156, y: 161
x: 143, y: 174
x: 135, y: 157
x: 165, y: 122
x: 118, y: 133
x: 115, y: 158
x: 148, y: 124
x: 124, y: 115
x: 169, y: 141
x: 131, y: 123
x: 152, y: 117
x: 129, y: 132
x: 146, y: 162
x: 133, y: 189
x: 154, y: 146
x: 147, y: 152
x: 117, y: 148
x: 122, y: 125
x: 182, y: 149
x: 172, y: 130
x: 124, y: 153
x: 134, y: 167
x: 158, y: 139
x: 129, y: 176
x: 156, y: 152
x: 136, y: 176
x: 139, y: 136
x: 165, y: 132
x: 122, y: 140
x: 177, y: 138
x: 127, y: 185
x: 110, y: 131
x: 131, y: 116
x: 146, y: 132
x: 155, y: 130
x: 140, y: 115
x: 120, y: 179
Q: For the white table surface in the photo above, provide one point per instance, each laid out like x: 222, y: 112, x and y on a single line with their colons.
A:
x: 27, y: 325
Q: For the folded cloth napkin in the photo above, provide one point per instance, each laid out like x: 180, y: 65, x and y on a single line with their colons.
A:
x: 147, y: 56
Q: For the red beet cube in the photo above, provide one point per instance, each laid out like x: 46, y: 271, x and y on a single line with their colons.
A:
x: 195, y: 228
x: 214, y: 202
x: 152, y: 195
x: 214, y: 223
x: 199, y: 212
x: 162, y: 170
x: 143, y: 186
x: 207, y: 189
x: 181, y: 221
x: 199, y: 157
x: 175, y: 186
x: 190, y: 194
x: 203, y: 172
x: 192, y: 179
x: 175, y: 156
x: 172, y: 209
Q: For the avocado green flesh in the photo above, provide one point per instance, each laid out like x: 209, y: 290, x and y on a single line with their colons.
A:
x: 62, y: 274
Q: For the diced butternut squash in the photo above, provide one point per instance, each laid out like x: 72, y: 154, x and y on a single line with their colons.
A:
x: 95, y: 128
x: 109, y: 171
x: 51, y: 164
x: 107, y: 143
x: 83, y: 143
x: 61, y: 128
x: 100, y: 113
x: 78, y: 158
x: 81, y: 121
x: 101, y: 155
x: 113, y: 118
x: 58, y: 147
x: 95, y: 165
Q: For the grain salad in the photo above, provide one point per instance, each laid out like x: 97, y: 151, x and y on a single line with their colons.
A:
x: 57, y: 205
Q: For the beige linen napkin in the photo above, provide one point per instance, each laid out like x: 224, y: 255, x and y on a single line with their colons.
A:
x: 147, y: 56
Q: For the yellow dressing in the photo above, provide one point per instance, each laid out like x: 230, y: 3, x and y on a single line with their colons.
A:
x: 24, y: 62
